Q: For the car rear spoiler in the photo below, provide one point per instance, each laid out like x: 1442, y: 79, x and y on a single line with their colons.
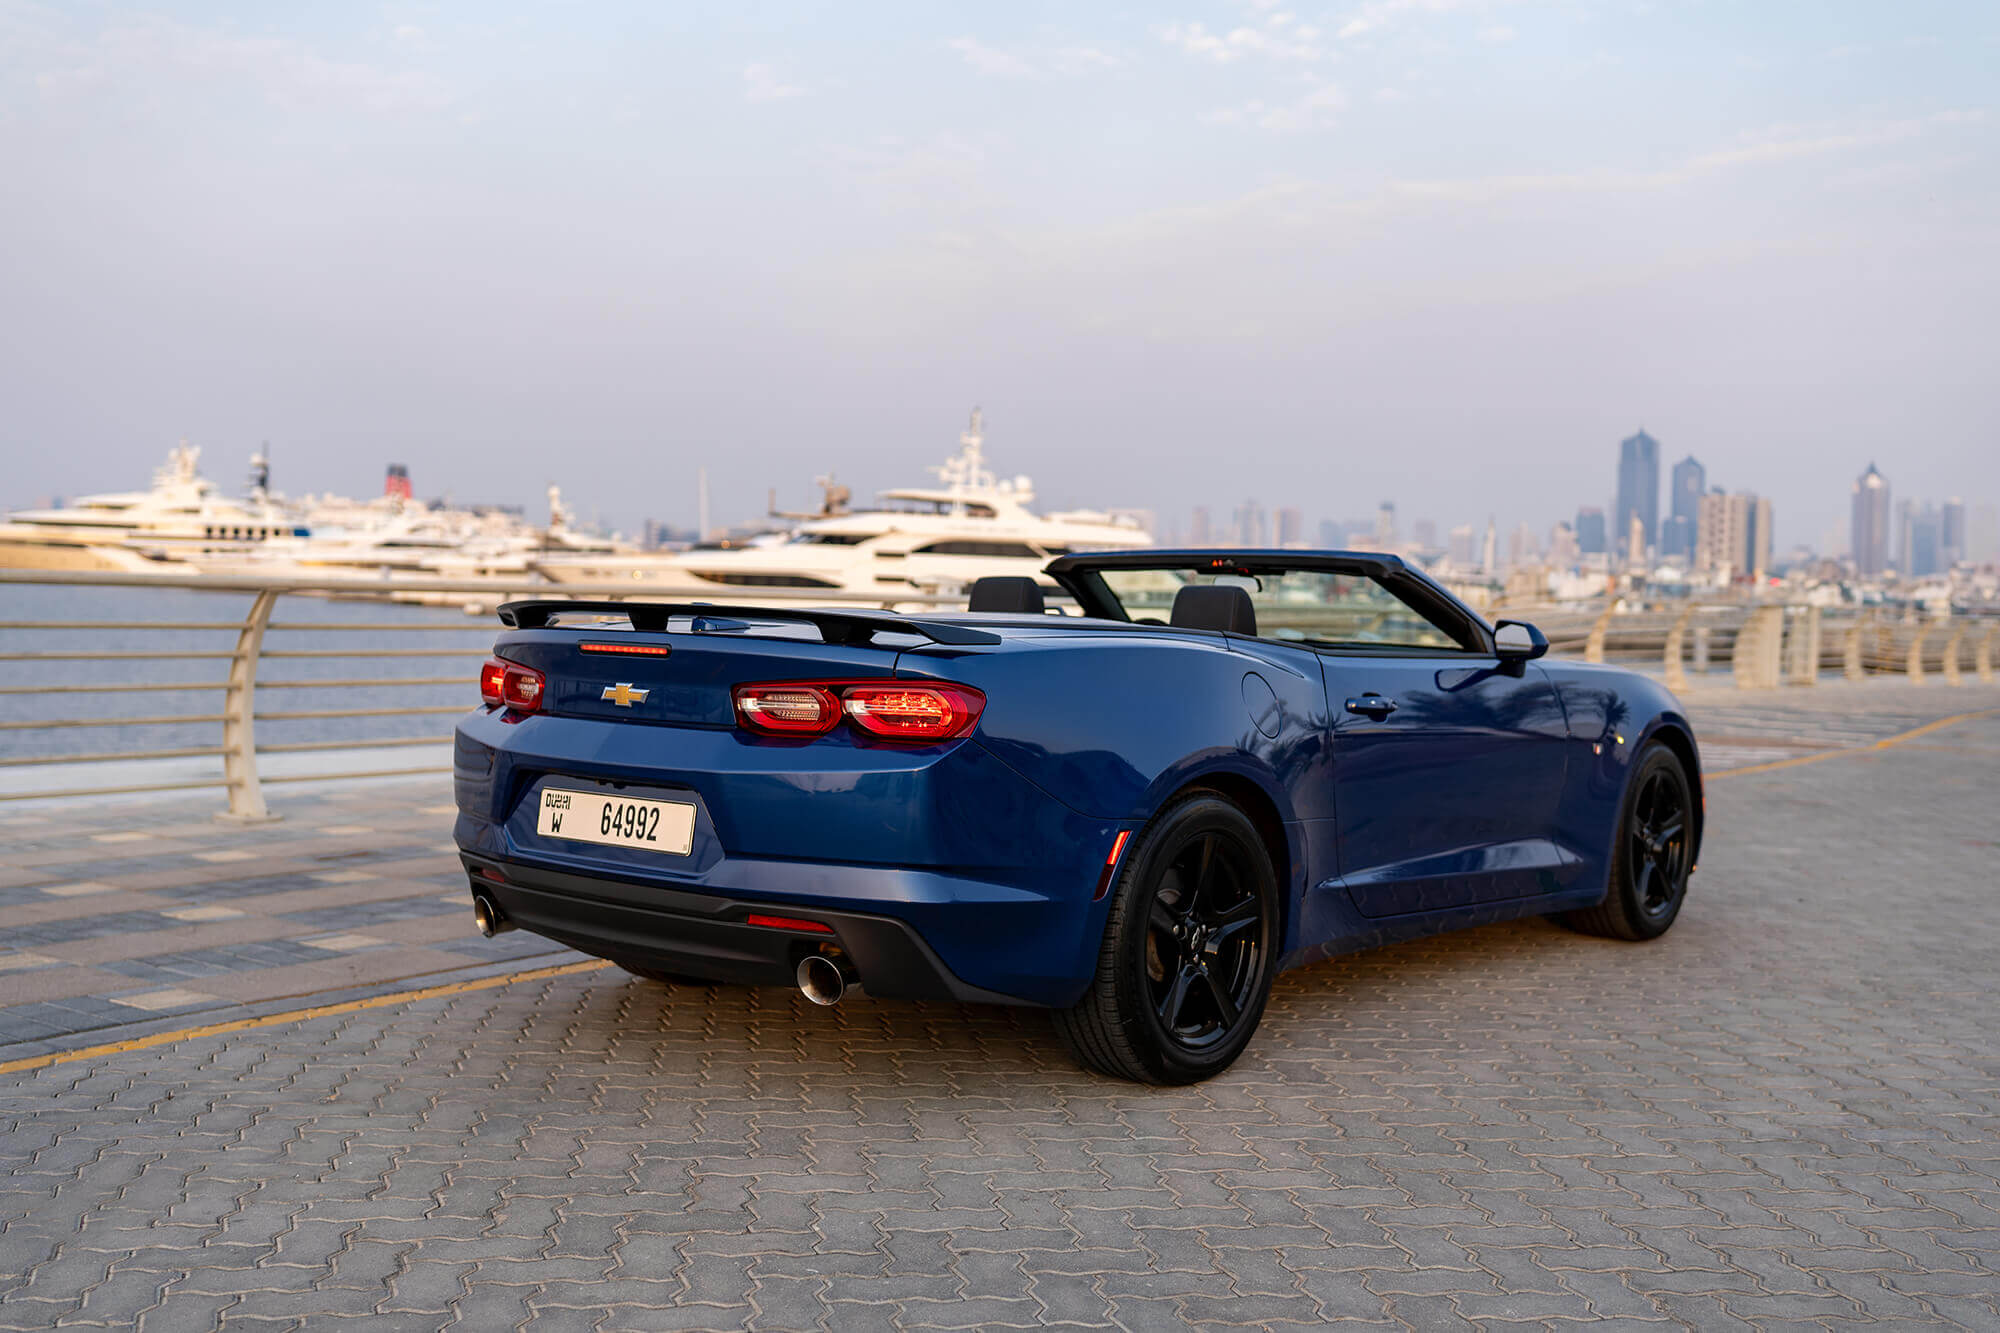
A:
x: 842, y: 627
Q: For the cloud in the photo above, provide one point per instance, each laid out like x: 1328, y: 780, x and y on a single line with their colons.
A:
x: 286, y: 72
x: 999, y: 63
x: 1497, y: 35
x: 761, y: 83
x: 1379, y: 14
x: 991, y: 60
x: 1314, y: 110
x: 1278, y: 40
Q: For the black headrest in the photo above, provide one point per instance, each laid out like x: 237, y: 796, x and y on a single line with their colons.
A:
x: 1007, y: 593
x: 1216, y: 606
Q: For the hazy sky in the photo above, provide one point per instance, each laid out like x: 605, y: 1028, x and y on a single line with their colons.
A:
x: 1440, y: 251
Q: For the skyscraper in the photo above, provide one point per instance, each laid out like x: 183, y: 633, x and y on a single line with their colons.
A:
x: 1917, y: 543
x: 1952, y: 545
x: 1199, y: 531
x: 1590, y: 530
x: 1251, y: 527
x: 1463, y: 551
x: 1868, y: 530
x: 1734, y: 535
x: 1291, y: 526
x: 1638, y: 491
x: 1677, y: 533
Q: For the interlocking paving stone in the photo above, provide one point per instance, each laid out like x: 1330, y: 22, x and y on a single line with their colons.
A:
x: 1786, y: 1113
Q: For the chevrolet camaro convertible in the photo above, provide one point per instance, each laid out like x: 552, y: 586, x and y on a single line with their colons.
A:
x: 1226, y: 765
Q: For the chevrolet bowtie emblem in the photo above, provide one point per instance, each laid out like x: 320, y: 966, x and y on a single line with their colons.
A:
x: 624, y: 695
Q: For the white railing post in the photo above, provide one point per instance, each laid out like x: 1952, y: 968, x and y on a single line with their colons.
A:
x: 1854, y: 660
x: 239, y: 707
x: 1593, y: 646
x: 1951, y: 643
x: 1913, y: 664
x: 1677, y: 676
x: 1803, y: 668
x: 1757, y: 664
x: 1982, y: 656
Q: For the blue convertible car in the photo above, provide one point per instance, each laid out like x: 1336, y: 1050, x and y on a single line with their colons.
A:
x: 1228, y: 764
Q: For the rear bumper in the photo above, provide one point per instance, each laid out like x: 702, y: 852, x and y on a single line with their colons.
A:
x: 986, y: 880
x: 708, y: 937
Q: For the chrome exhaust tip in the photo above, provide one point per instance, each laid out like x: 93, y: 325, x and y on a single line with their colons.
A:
x: 486, y: 915
x: 824, y: 980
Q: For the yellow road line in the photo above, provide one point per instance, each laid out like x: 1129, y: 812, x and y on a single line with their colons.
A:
x: 296, y: 1015
x: 1882, y: 744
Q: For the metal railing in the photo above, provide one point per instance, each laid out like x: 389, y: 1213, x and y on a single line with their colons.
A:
x: 241, y: 710
x: 1768, y: 644
x: 1761, y: 645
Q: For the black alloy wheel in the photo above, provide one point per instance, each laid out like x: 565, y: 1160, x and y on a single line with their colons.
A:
x: 1204, y: 941
x: 1652, y: 857
x: 1657, y: 843
x: 1189, y: 949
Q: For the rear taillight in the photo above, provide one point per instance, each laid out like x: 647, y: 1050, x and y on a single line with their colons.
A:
x: 880, y: 709
x: 913, y: 712
x: 510, y: 684
x: 788, y: 710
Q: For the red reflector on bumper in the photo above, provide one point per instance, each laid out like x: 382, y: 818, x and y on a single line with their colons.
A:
x: 1111, y: 865
x: 789, y: 923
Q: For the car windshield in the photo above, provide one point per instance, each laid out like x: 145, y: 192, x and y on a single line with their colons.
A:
x: 1311, y: 606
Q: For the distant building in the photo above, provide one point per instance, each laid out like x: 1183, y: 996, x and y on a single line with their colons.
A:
x: 1684, y: 492
x: 1291, y: 526
x: 1489, y: 550
x: 1425, y: 534
x: 1868, y: 529
x: 1638, y: 492
x: 1952, y: 545
x: 1917, y: 548
x: 1199, y: 531
x: 1462, y: 548
x: 1385, y: 526
x: 1733, y: 535
x: 1332, y: 535
x: 1590, y: 531
x: 1523, y: 550
x: 1562, y: 547
x: 1982, y: 535
x: 1251, y: 527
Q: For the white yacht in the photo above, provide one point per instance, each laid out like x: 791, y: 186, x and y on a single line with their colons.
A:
x: 925, y: 539
x: 396, y: 534
x: 182, y: 519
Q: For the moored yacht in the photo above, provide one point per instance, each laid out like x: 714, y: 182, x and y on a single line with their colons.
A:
x: 184, y: 518
x: 922, y: 539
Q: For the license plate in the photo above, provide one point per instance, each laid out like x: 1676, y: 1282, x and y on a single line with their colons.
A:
x: 617, y: 821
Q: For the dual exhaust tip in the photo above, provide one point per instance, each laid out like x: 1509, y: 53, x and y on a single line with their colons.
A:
x: 488, y: 917
x: 824, y: 979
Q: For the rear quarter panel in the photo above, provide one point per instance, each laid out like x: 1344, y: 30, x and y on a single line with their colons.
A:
x: 1112, y: 725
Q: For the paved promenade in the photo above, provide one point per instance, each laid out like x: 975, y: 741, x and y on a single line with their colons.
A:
x: 1787, y: 1112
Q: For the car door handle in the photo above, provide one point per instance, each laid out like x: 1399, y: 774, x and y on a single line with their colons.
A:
x: 1372, y: 705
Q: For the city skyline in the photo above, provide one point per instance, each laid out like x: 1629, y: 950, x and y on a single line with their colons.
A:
x: 1731, y: 532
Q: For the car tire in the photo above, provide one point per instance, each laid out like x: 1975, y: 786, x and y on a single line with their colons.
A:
x: 1189, y: 949
x: 1652, y: 856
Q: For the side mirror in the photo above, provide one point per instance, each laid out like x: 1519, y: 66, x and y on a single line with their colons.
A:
x: 1518, y: 641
